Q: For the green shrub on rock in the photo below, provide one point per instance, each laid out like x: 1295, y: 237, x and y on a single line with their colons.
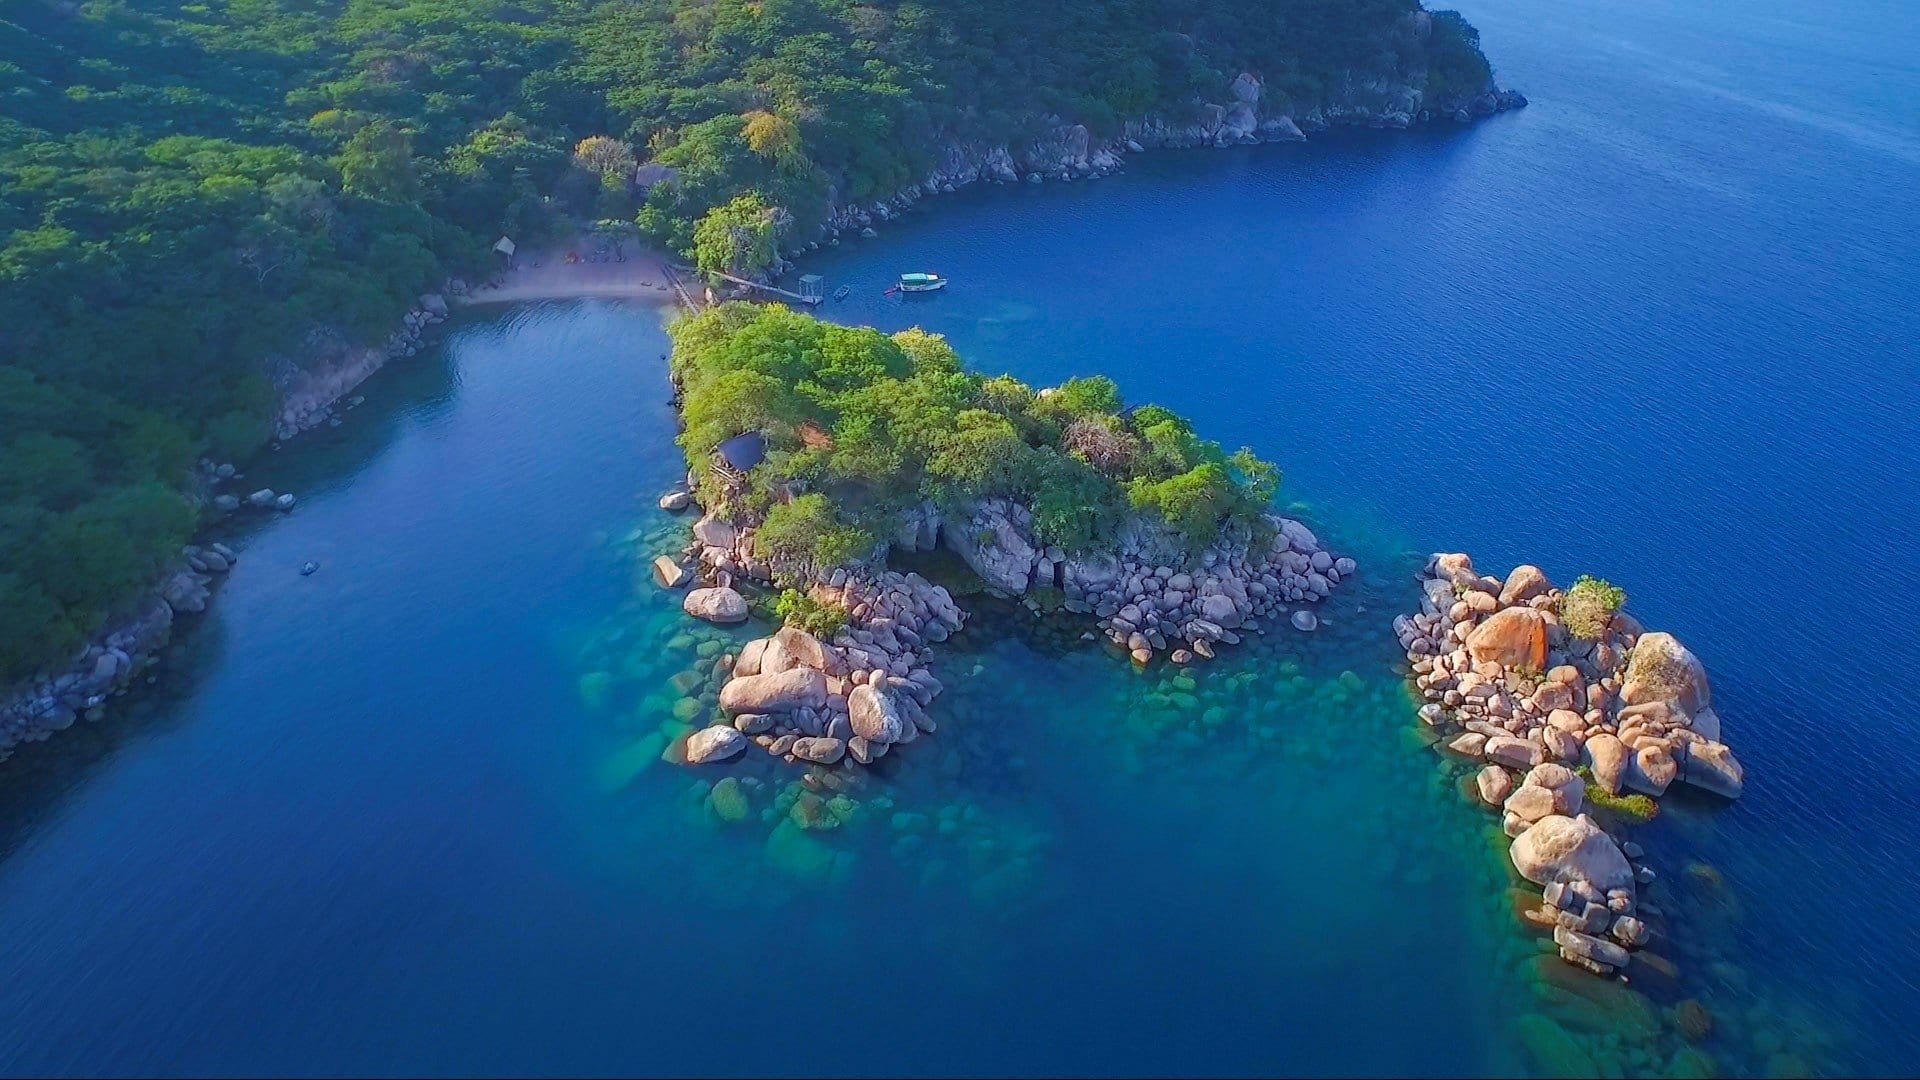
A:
x: 808, y: 530
x: 1635, y: 809
x: 803, y: 612
x: 1588, y: 608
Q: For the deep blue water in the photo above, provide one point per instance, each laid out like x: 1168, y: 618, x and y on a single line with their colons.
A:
x: 1657, y: 326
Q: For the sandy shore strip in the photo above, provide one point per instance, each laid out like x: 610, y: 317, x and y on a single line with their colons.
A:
x: 547, y: 275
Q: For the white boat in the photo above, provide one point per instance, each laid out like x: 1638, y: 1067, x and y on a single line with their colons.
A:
x: 921, y: 283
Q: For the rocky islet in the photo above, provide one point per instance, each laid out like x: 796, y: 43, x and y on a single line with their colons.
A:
x: 1538, y: 682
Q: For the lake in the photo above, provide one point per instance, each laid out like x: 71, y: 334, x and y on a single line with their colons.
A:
x: 408, y: 814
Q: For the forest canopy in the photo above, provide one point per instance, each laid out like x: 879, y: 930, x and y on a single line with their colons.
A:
x: 896, y: 420
x: 189, y: 187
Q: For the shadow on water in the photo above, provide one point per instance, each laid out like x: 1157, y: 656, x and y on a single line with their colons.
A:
x: 37, y: 776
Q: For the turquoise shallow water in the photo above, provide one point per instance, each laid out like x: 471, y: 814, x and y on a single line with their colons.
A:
x: 387, y: 818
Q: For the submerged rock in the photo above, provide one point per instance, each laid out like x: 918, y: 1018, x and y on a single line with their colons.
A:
x: 667, y: 573
x: 716, y: 743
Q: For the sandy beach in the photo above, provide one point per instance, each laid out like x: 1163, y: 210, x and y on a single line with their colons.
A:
x: 546, y: 275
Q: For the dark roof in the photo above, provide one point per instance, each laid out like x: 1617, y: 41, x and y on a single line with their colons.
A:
x: 743, y: 452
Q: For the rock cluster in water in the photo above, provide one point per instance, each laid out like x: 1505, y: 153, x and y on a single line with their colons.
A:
x: 1508, y: 683
x: 855, y: 697
x: 1150, y: 594
x: 1497, y: 664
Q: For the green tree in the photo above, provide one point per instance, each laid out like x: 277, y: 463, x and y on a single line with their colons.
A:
x: 377, y: 162
x: 741, y: 237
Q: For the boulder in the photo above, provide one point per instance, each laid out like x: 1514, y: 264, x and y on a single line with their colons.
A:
x: 748, y: 662
x: 877, y: 715
x: 1469, y: 743
x: 1598, y: 950
x: 1219, y: 609
x: 1304, y: 620
x: 792, y: 647
x: 721, y: 605
x: 1299, y: 537
x: 1518, y: 753
x: 1560, y: 848
x: 1495, y: 785
x: 800, y: 688
x: 1607, y: 759
x: 1652, y: 769
x: 668, y: 574
x: 1526, y: 582
x: 716, y: 743
x: 1455, y: 568
x: 713, y: 532
x: 864, y: 752
x: 1662, y: 669
x: 1712, y: 766
x: 676, y: 500
x: 262, y: 498
x: 1569, y: 791
x: 1561, y: 745
x: 1529, y: 803
x: 1514, y: 638
x: 753, y: 723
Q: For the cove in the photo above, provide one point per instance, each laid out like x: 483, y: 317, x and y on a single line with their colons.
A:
x: 369, y: 823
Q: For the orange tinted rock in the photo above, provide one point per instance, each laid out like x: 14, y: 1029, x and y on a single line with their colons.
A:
x: 1514, y: 638
x: 1526, y: 582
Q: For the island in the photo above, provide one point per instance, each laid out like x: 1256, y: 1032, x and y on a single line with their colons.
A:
x: 816, y: 450
x: 1597, y: 717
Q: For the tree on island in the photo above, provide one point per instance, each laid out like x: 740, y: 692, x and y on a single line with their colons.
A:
x: 907, y: 424
x: 740, y: 237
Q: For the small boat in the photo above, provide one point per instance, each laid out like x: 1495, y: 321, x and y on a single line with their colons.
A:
x: 841, y: 292
x: 921, y: 283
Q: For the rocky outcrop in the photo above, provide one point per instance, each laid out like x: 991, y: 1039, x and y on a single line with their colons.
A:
x: 1246, y: 113
x: 1507, y: 682
x: 119, y: 655
x: 1633, y: 706
x: 849, y: 701
x: 329, y: 366
x: 1150, y: 592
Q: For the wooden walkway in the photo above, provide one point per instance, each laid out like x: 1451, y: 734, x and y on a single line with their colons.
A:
x: 794, y: 296
x: 686, y: 299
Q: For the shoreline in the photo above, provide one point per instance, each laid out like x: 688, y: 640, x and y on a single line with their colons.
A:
x: 546, y: 275
x: 126, y: 646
